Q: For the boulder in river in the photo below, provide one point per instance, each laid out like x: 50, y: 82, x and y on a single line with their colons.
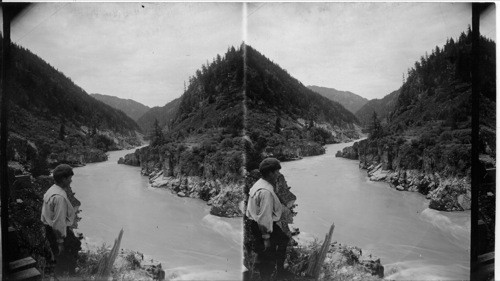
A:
x: 130, y: 159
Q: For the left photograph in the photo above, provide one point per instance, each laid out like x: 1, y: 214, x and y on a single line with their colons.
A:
x: 125, y: 147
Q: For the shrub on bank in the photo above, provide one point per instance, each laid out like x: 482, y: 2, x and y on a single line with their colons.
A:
x: 342, y: 262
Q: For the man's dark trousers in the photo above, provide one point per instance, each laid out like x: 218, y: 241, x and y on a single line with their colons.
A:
x: 268, y: 260
x: 65, y: 261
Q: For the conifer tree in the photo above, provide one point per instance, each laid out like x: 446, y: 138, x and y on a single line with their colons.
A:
x: 376, y: 127
x: 277, y: 126
x: 157, y: 134
x: 62, y: 132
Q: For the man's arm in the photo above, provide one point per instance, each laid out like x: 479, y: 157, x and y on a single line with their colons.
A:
x: 265, y: 216
x: 60, y: 210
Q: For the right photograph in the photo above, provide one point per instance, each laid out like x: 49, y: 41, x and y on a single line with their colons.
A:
x: 370, y: 141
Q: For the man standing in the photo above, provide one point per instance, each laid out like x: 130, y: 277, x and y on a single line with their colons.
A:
x: 264, y: 211
x: 59, y: 215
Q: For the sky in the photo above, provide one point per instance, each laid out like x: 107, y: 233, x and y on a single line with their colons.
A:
x: 139, y: 51
x: 364, y: 48
x: 146, y: 51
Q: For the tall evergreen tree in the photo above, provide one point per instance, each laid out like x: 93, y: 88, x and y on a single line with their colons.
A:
x: 62, y: 132
x: 277, y: 126
x: 156, y: 134
x: 376, y: 127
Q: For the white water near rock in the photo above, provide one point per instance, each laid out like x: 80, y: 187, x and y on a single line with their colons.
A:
x: 179, y: 232
x: 413, y: 241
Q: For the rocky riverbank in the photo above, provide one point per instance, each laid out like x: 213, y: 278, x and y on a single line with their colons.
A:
x: 215, y: 179
x: 223, y: 197
x: 78, y: 149
x: 406, y: 169
x: 294, y: 151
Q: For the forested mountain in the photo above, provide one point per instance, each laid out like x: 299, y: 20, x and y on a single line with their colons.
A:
x: 285, y: 118
x: 228, y: 109
x: 199, y: 140
x: 349, y: 100
x: 427, y: 141
x: 438, y: 88
x: 130, y: 107
x: 51, y: 118
x: 382, y: 107
x: 164, y: 115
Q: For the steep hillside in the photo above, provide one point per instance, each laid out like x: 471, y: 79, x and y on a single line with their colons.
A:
x: 286, y: 119
x: 349, y: 100
x: 426, y: 145
x: 52, y: 119
x: 383, y: 107
x: 230, y: 109
x: 199, y: 152
x: 164, y: 115
x: 130, y: 107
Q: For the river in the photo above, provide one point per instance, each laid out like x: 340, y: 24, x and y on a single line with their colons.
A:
x: 179, y: 232
x: 413, y: 241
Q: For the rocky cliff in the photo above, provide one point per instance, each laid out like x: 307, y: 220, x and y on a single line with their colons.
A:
x: 406, y: 167
x: 426, y: 144
x: 216, y: 182
x: 76, y: 149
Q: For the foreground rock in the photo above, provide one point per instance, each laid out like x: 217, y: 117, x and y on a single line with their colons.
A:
x: 128, y: 266
x: 342, y: 262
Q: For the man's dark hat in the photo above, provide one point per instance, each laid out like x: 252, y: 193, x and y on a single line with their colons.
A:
x: 62, y: 171
x: 269, y: 164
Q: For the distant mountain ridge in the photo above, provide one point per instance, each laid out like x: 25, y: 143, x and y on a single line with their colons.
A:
x: 52, y: 120
x: 165, y: 115
x: 132, y: 108
x: 383, y: 107
x: 349, y: 100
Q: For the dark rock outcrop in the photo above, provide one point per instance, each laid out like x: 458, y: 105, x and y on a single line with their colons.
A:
x: 188, y: 178
x: 350, y: 152
x: 130, y: 159
x: 407, y: 169
x: 294, y: 152
x: 224, y: 197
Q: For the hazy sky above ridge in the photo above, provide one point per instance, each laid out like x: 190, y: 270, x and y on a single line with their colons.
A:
x: 139, y: 51
x: 145, y: 51
x: 360, y: 47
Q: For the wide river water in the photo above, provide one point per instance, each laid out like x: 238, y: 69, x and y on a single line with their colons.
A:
x: 413, y: 242
x: 179, y: 232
